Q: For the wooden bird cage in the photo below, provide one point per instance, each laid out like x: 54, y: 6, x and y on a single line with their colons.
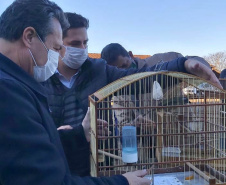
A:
x: 180, y: 128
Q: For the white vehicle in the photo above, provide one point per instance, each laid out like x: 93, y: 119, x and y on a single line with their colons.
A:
x: 189, y: 90
x: 206, y: 86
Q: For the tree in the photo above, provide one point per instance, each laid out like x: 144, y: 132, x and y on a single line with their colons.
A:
x: 217, y: 59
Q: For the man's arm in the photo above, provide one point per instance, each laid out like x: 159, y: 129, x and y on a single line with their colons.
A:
x: 81, y: 133
x: 28, y: 154
x: 182, y: 64
x: 70, y: 135
x: 199, y: 69
x: 114, y: 73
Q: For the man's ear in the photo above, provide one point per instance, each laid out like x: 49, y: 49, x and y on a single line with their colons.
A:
x: 28, y: 34
x: 131, y: 54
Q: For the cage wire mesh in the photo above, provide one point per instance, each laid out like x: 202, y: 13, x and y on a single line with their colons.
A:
x: 180, y: 127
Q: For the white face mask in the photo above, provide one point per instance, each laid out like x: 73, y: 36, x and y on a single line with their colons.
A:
x: 43, y: 73
x: 75, y: 57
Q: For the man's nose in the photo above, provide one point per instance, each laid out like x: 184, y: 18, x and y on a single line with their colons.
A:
x: 83, y: 46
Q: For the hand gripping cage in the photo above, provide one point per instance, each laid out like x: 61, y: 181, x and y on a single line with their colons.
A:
x: 180, y: 123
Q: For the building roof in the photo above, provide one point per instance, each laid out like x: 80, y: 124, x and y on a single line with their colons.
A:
x: 94, y: 55
x: 142, y: 56
x: 97, y: 55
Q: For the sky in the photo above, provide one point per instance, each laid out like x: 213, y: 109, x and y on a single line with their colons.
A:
x: 146, y: 27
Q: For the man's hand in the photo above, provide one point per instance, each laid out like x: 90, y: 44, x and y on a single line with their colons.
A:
x: 86, y: 125
x: 135, y: 178
x: 197, y: 68
x: 101, y: 126
x: 65, y: 127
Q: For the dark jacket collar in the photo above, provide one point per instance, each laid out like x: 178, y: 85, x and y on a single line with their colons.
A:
x: 11, y: 68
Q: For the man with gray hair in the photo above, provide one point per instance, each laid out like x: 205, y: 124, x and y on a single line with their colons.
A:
x: 30, y: 147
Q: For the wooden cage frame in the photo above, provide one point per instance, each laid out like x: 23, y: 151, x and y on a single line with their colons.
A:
x: 212, y: 178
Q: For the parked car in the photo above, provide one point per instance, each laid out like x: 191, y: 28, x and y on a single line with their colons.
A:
x: 189, y: 90
x: 206, y: 86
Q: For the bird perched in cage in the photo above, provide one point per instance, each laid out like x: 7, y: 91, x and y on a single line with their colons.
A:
x: 131, y: 116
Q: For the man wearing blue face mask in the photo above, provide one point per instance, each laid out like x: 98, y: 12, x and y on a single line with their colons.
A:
x: 79, y: 76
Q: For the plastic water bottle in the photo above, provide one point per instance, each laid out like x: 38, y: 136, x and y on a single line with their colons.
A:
x: 129, y: 144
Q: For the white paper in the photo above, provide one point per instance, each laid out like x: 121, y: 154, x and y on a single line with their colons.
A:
x: 157, y: 91
x: 167, y: 180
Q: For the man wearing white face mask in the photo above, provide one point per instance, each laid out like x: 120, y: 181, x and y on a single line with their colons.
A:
x: 30, y: 148
x: 73, y: 54
x: 42, y: 73
x: 67, y: 109
x: 79, y: 76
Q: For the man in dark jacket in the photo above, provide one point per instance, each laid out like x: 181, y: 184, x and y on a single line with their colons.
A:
x: 222, y: 78
x: 116, y: 55
x: 78, y: 77
x: 30, y: 147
